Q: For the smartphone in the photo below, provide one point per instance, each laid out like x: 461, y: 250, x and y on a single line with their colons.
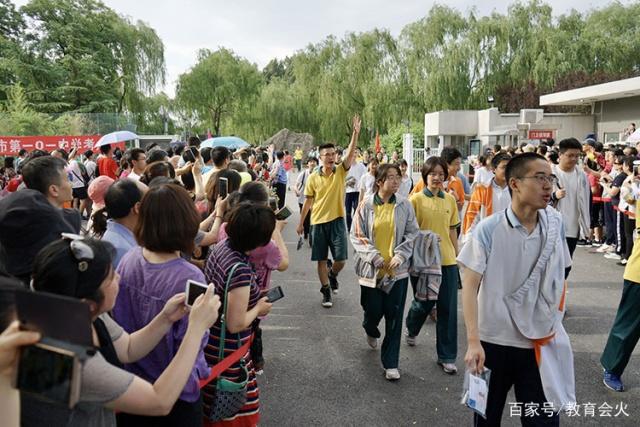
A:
x: 55, y: 316
x: 194, y: 290
x: 50, y: 373
x: 190, y: 154
x: 223, y: 187
x: 273, y: 203
x: 274, y: 294
x: 283, y: 214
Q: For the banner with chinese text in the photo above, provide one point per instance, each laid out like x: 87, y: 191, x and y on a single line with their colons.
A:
x: 10, y: 145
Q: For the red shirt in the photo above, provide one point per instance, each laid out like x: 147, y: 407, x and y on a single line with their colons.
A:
x: 593, y: 183
x: 108, y: 167
x: 287, y: 163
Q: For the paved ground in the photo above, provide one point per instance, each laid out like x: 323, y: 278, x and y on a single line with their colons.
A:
x: 320, y: 371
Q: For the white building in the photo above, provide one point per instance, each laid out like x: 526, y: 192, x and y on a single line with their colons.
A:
x: 470, y: 130
x: 613, y: 105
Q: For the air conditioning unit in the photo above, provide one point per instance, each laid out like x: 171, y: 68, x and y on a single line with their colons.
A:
x: 531, y: 115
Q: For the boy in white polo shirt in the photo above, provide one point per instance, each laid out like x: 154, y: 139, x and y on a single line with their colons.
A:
x: 513, y: 290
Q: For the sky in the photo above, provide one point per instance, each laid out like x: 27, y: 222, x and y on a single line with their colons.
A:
x: 260, y: 30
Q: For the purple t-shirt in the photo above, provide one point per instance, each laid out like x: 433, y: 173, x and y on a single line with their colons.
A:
x: 264, y: 259
x: 144, y: 290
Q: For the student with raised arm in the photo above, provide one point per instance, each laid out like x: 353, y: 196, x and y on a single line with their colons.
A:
x: 513, y: 298
x: 325, y: 192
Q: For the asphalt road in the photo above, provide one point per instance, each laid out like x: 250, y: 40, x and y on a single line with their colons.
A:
x: 320, y: 371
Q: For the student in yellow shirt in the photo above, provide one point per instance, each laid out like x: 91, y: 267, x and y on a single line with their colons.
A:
x: 437, y: 211
x: 625, y: 331
x: 382, y: 234
x: 324, y: 197
x: 297, y: 156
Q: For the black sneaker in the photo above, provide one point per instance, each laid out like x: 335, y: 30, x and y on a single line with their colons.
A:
x: 326, y: 296
x: 582, y: 243
x: 333, y: 282
x: 333, y: 279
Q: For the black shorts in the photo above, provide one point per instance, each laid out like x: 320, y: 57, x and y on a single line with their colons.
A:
x: 80, y: 193
x: 596, y: 211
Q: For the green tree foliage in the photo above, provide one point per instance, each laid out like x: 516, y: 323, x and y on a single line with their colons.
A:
x: 11, y: 25
x: 18, y: 118
x: 80, y: 56
x: 217, y: 85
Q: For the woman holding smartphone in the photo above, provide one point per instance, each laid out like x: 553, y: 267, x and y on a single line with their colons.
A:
x: 385, y: 227
x: 151, y: 275
x: 249, y: 226
x: 81, y: 268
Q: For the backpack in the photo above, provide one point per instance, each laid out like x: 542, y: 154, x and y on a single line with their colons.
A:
x: 84, y: 175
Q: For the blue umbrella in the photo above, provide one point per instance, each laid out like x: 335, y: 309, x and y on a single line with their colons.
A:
x: 231, y: 142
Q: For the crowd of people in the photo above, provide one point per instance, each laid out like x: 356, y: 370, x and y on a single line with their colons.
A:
x: 125, y: 231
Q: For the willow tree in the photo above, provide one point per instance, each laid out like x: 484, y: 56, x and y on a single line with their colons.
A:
x: 217, y: 85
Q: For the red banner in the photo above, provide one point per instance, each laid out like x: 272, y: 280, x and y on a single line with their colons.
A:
x: 10, y: 145
x: 540, y: 134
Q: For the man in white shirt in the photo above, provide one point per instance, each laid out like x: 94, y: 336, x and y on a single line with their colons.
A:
x: 138, y: 163
x: 90, y: 165
x: 352, y: 192
x: 572, y: 193
x: 499, y: 264
x: 368, y: 180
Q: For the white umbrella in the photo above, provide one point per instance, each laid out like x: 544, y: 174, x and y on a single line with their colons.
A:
x: 115, y: 137
x: 634, y: 137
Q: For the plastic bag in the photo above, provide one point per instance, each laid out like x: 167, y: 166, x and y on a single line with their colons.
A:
x: 475, y: 391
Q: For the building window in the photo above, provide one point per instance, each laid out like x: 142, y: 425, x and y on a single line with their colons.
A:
x: 611, y: 136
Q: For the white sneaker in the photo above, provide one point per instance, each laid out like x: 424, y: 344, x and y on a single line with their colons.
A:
x: 603, y: 248
x: 612, y: 255
x: 373, y: 342
x: 448, y: 368
x: 392, y: 374
x: 411, y: 341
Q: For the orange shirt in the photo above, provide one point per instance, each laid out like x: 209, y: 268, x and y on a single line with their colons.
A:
x: 455, y: 184
x: 418, y: 187
x: 108, y: 167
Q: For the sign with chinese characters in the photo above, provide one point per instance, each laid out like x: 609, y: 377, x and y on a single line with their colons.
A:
x: 540, y: 134
x: 10, y: 145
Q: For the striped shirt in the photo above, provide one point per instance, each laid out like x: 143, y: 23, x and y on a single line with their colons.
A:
x: 219, y: 265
